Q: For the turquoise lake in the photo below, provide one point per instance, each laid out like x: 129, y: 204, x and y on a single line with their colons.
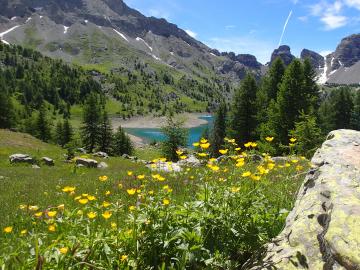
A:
x: 151, y: 134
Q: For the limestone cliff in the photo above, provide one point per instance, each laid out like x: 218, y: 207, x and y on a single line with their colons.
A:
x: 323, y: 229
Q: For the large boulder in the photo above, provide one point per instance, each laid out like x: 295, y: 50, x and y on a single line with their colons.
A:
x: 191, y: 161
x: 89, y: 163
x: 48, y: 161
x: 21, y: 158
x: 322, y: 231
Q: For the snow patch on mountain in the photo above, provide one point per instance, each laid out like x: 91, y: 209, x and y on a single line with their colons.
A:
x: 28, y: 19
x: 147, y: 45
x: 121, y: 35
x: 323, y: 77
x: 65, y: 29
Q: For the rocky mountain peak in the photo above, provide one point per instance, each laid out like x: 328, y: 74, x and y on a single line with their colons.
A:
x: 317, y: 60
x: 284, y: 53
x: 347, y: 52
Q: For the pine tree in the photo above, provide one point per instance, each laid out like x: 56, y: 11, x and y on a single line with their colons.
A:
x: 274, y: 78
x: 121, y: 143
x: 289, y: 104
x: 355, y: 114
x: 219, y: 130
x: 243, y: 111
x: 7, y: 115
x: 105, y: 133
x: 326, y: 116
x: 342, y: 106
x: 91, y: 122
x: 68, y: 132
x: 59, y: 133
x: 310, y: 92
x: 308, y: 135
x: 176, y: 136
x: 43, y: 130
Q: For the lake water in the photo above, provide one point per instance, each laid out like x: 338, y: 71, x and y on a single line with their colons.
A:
x: 151, y: 134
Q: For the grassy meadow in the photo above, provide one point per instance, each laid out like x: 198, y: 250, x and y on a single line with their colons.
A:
x: 216, y: 216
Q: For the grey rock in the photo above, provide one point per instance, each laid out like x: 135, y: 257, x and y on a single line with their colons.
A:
x: 165, y: 167
x: 101, y: 154
x: 102, y: 165
x: 317, y: 60
x: 21, y: 158
x: 48, y: 161
x: 256, y: 158
x: 191, y: 161
x: 89, y: 163
x: 322, y: 230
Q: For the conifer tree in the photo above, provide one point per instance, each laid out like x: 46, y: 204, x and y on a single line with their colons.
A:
x: 289, y: 105
x: 121, y: 143
x: 105, y: 133
x: 43, y: 130
x: 243, y: 112
x: 7, y: 115
x: 342, y: 106
x: 59, y: 133
x: 310, y: 92
x: 68, y: 132
x: 355, y: 115
x: 274, y: 79
x: 91, y: 122
x: 219, y: 130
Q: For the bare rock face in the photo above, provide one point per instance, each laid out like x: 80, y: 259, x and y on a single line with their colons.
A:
x: 284, y: 53
x: 317, y: 61
x: 322, y: 231
x: 89, y: 163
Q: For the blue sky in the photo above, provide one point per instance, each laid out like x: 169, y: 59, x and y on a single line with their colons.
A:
x: 256, y: 26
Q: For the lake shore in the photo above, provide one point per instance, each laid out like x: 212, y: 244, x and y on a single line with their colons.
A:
x: 190, y: 120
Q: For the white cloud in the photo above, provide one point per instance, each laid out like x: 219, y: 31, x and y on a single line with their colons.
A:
x: 332, y: 21
x: 353, y: 3
x: 191, y: 33
x: 303, y: 18
x: 330, y: 14
x: 246, y: 44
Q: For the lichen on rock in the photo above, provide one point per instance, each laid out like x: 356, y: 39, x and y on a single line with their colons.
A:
x: 322, y: 231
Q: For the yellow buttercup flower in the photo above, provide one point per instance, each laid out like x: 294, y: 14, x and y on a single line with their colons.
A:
x: 238, y: 148
x: 91, y: 215
x: 183, y: 157
x: 52, y: 228
x: 202, y: 154
x: 151, y: 192
x: 64, y: 250
x: 248, y: 144
x: 269, y: 139
x: 205, y: 145
x: 141, y: 176
x: 51, y: 213
x: 61, y: 207
x: 294, y: 161
x: 215, y: 168
x: 33, y: 207
x: 91, y: 198
x: 299, y: 168
x: 223, y: 151
x: 240, y: 163
x: 123, y: 258
x: 235, y: 189
x: 131, y: 191
x: 68, y: 189
x: 107, y: 215
x: 255, y: 177
x: 83, y: 201
x: 203, y: 140
x: 132, y: 208
x: 129, y: 173
x: 38, y: 214
x: 23, y: 232
x: 120, y: 186
x: 196, y: 144
x: 293, y: 140
x: 106, y: 204
x: 179, y: 152
x: 166, y: 201
x: 8, y: 229
x: 253, y: 144
x: 113, y: 225
x: 246, y: 174
x: 107, y: 193
x: 103, y: 178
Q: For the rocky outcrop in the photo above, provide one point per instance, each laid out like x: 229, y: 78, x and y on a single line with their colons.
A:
x: 284, y: 53
x: 322, y: 231
x: 317, y: 60
x: 89, y: 163
x: 48, y: 161
x: 21, y: 158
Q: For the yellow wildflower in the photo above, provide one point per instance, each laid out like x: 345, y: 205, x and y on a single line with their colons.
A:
x: 64, y: 250
x: 269, y: 139
x: 113, y: 225
x: 223, y: 151
x: 248, y: 144
x: 23, y: 232
x: 141, y: 176
x: 255, y: 177
x: 196, y: 144
x: 253, y: 144
x: 61, y: 207
x: 235, y: 189
x: 103, y: 178
x: 202, y: 154
x: 33, y: 207
x: 123, y: 258
x: 106, y: 204
x: 107, y: 193
x: 129, y: 173
x: 83, y: 201
x: 52, y: 228
x: 238, y: 148
x: 205, y: 145
x: 131, y: 191
x: 179, y: 152
x: 8, y: 229
x: 203, y: 140
x: 91, y: 198
x: 51, y: 213
x: 166, y: 201
x: 91, y: 215
x: 294, y: 161
x: 132, y: 208
x: 183, y: 157
x: 38, y: 214
x: 246, y: 174
x: 293, y: 140
x: 107, y: 215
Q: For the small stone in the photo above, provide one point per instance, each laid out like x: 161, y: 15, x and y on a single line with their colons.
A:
x: 102, y: 165
x: 48, y: 161
x: 35, y: 167
x: 89, y: 163
x: 101, y: 154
